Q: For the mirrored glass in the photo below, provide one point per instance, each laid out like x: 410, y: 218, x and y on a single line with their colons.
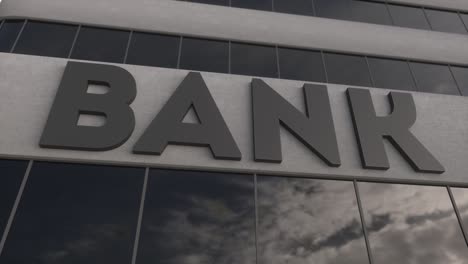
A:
x: 347, y: 69
x: 308, y: 221
x: 298, y: 7
x: 370, y: 12
x: 461, y: 76
x: 197, y: 217
x: 434, y: 78
x: 337, y: 9
x: 205, y: 55
x: 46, y: 39
x: 266, y: 5
x: 303, y: 65
x: 445, y: 21
x: 256, y: 60
x: 11, y: 175
x: 153, y: 50
x: 461, y: 199
x: 391, y: 74
x: 8, y: 34
x: 411, y: 224
x: 101, y: 45
x: 76, y: 214
x: 406, y: 16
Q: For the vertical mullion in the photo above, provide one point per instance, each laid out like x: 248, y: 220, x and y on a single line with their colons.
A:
x: 324, y: 67
x: 128, y: 46
x: 140, y: 216
x: 15, y: 206
x: 389, y: 13
x: 278, y: 62
x: 455, y: 79
x: 179, y: 55
x: 370, y: 73
x: 18, y: 37
x: 314, y: 12
x: 74, y: 41
x: 256, y: 218
x: 464, y: 24
x: 1, y: 23
x: 229, y: 57
x: 425, y: 15
x: 416, y: 85
x: 457, y: 213
x: 363, y: 223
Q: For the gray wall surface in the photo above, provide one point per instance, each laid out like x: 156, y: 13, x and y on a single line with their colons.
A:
x: 219, y: 22
x: 28, y: 86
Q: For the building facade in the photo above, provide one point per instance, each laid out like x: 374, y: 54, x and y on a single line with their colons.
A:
x: 234, y: 131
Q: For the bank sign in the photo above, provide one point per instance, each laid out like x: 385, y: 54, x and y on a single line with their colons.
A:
x: 242, y: 123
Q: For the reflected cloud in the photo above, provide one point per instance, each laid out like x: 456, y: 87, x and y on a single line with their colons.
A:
x: 419, y: 224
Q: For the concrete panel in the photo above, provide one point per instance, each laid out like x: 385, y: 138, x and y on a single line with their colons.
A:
x: 250, y: 25
x: 28, y: 86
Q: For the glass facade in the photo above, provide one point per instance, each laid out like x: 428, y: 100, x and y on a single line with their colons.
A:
x: 199, y: 54
x: 72, y: 213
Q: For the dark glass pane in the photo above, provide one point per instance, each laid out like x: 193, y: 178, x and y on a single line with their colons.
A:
x: 196, y: 217
x: 369, y: 12
x: 433, y: 78
x: 412, y: 17
x: 308, y: 221
x: 8, y: 34
x: 253, y: 4
x: 338, y: 9
x: 445, y: 21
x: 464, y: 18
x: 347, y: 69
x: 461, y: 76
x: 253, y: 60
x: 411, y: 224
x: 46, y: 39
x: 76, y: 214
x: 205, y: 55
x: 461, y: 199
x: 11, y: 175
x: 299, y: 7
x: 301, y: 65
x: 391, y: 74
x: 101, y: 45
x: 153, y: 50
x: 211, y: 2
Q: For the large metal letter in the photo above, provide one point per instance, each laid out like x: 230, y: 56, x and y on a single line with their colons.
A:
x: 371, y: 129
x: 316, y: 130
x: 168, y: 126
x: 72, y: 99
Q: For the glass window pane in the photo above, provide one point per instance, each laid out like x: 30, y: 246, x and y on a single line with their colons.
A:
x: 76, y: 214
x: 338, y: 9
x: 347, y: 69
x: 253, y: 60
x: 461, y: 76
x: 405, y: 16
x: 253, y: 4
x: 308, y: 221
x: 196, y: 217
x: 205, y: 55
x: 464, y: 18
x: 445, y: 21
x: 211, y: 2
x: 101, y: 45
x: 299, y: 7
x: 434, y: 78
x: 461, y: 199
x: 8, y: 34
x: 303, y: 65
x: 46, y: 39
x: 12, y: 173
x: 411, y: 224
x: 370, y: 12
x: 391, y: 74
x: 153, y: 50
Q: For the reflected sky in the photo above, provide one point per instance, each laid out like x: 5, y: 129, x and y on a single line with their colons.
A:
x: 308, y: 221
x: 198, y: 218
x: 412, y: 224
x: 75, y: 214
x: 461, y: 199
